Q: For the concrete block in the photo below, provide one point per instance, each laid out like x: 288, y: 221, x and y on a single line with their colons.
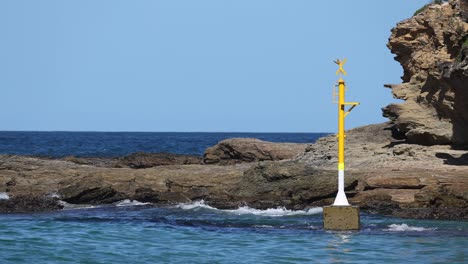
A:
x: 341, y: 218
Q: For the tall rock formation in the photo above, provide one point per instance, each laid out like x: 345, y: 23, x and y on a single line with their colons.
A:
x: 432, y: 48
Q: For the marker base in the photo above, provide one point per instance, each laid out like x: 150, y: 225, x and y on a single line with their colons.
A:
x: 341, y: 218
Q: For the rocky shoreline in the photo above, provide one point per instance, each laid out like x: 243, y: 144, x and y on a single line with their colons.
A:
x: 385, y: 177
x: 415, y: 166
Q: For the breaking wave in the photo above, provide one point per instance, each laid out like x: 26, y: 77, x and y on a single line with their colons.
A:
x: 243, y: 210
x: 405, y: 227
x: 128, y: 202
x: 75, y: 206
x: 194, y: 205
x: 4, y: 196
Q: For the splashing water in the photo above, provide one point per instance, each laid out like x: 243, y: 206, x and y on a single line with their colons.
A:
x: 405, y: 227
x: 4, y: 196
x: 243, y: 210
x: 128, y: 202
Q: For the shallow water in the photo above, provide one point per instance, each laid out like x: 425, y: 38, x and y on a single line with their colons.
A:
x: 131, y: 232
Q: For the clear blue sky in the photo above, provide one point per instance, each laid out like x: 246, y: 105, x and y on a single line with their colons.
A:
x: 238, y: 65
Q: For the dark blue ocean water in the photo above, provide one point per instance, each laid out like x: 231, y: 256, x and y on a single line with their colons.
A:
x: 132, y: 232
x: 112, y: 144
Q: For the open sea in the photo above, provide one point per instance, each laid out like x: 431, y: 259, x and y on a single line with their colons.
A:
x: 135, y: 232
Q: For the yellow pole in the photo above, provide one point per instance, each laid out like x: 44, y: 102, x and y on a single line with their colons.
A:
x: 341, y: 123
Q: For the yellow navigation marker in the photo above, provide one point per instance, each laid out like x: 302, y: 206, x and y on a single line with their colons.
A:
x: 342, y: 113
x: 340, y: 69
x: 341, y: 216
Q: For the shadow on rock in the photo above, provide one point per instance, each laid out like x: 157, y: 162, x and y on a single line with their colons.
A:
x: 462, y: 160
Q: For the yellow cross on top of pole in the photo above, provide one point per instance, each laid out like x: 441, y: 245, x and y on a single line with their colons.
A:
x: 340, y: 64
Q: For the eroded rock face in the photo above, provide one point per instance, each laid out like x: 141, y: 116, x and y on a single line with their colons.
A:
x: 237, y: 150
x: 432, y: 49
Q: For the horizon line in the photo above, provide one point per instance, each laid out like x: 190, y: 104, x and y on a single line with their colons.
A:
x: 102, y: 131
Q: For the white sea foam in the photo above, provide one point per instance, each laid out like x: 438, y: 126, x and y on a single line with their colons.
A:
x: 75, y: 206
x: 263, y: 226
x: 128, y: 202
x: 4, y: 196
x: 54, y: 195
x: 194, y: 205
x: 405, y: 227
x: 280, y: 211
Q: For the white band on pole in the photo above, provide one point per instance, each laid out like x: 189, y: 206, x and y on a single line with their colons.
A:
x: 341, y: 199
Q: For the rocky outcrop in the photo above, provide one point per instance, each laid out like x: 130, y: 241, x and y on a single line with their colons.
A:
x: 375, y: 147
x: 394, y: 177
x: 386, y: 177
x: 41, y: 180
x: 432, y: 47
x: 237, y: 150
x: 288, y: 183
x: 418, y: 193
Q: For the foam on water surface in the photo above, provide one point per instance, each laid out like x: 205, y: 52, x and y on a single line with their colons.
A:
x: 54, y: 195
x: 4, y: 196
x: 405, y: 227
x: 128, y: 202
x: 279, y: 211
x: 243, y: 210
x: 195, y: 205
x: 75, y: 206
x: 123, y: 203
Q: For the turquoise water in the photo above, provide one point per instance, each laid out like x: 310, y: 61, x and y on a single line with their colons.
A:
x: 130, y: 232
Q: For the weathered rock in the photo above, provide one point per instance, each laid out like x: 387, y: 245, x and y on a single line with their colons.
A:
x: 417, y: 193
x: 147, y: 160
x: 432, y: 47
x: 375, y: 146
x: 92, y: 161
x: 288, y: 183
x: 29, y: 203
x: 137, y: 160
x: 236, y: 150
x: 80, y: 193
x: 396, y: 178
x: 41, y: 178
